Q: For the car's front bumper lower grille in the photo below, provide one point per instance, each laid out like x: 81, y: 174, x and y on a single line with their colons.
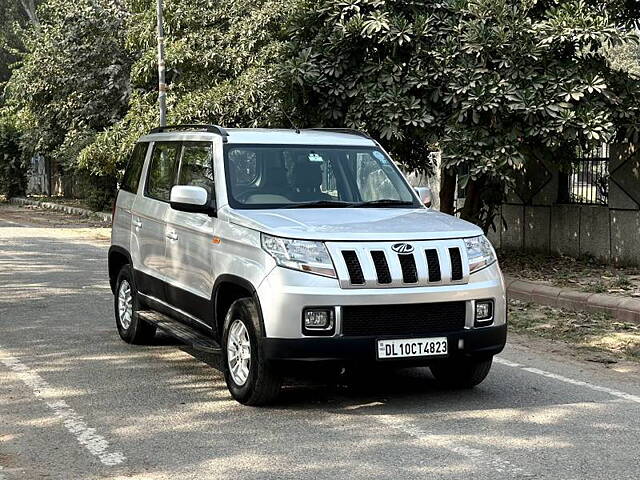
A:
x: 412, y: 319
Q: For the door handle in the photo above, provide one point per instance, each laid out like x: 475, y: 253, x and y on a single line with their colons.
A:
x: 137, y: 223
x: 172, y: 236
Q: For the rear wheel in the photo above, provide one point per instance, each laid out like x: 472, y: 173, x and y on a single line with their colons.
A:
x: 461, y: 373
x: 130, y: 327
x: 250, y: 379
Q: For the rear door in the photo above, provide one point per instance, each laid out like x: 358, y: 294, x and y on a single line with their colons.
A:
x: 189, y: 249
x: 121, y: 231
x: 149, y: 216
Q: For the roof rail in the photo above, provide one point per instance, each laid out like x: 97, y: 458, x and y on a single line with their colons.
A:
x: 207, y: 128
x: 351, y: 131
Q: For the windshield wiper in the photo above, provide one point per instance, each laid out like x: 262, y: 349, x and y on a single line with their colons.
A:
x: 320, y: 204
x: 384, y: 202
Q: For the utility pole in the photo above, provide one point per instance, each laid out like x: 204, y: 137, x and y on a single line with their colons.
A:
x: 162, y: 86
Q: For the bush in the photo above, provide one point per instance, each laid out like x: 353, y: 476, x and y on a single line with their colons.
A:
x: 13, y: 166
x: 102, y: 193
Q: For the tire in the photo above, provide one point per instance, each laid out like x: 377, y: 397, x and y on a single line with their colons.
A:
x: 130, y: 327
x: 253, y: 382
x: 462, y: 373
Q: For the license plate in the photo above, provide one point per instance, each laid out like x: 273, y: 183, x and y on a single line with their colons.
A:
x: 413, y: 347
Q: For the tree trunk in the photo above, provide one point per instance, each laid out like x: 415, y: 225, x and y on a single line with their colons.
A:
x: 29, y: 7
x: 448, y: 191
x: 473, y: 203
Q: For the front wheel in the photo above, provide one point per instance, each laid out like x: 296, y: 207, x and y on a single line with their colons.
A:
x: 250, y: 379
x: 461, y: 373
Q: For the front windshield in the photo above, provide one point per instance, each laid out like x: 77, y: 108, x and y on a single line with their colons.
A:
x: 284, y: 176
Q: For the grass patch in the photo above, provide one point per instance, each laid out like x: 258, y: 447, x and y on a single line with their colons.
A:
x: 71, y: 202
x: 589, y: 331
x: 586, y: 274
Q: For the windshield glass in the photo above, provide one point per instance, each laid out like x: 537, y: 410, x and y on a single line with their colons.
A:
x: 278, y: 176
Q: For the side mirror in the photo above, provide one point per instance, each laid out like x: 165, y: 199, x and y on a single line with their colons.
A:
x: 425, y: 195
x: 188, y: 198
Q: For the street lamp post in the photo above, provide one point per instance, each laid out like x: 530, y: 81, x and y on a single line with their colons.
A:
x: 162, y: 86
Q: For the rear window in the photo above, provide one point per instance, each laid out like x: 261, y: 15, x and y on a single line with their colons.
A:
x: 131, y: 178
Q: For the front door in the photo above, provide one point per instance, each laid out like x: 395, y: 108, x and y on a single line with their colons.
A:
x: 189, y: 248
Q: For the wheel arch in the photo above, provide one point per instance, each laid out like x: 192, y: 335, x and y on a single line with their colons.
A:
x: 226, y: 290
x: 118, y: 258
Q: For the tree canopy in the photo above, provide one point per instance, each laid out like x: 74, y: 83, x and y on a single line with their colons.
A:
x: 493, y: 84
x: 490, y: 82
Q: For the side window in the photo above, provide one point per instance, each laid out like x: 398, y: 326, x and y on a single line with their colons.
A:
x: 196, y: 165
x: 162, y: 170
x: 131, y: 178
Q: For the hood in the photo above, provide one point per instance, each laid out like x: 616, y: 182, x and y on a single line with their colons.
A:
x: 346, y: 224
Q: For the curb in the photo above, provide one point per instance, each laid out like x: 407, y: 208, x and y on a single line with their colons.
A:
x: 621, y: 308
x: 105, y: 217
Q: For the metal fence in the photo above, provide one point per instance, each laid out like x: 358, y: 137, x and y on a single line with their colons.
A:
x: 588, y: 180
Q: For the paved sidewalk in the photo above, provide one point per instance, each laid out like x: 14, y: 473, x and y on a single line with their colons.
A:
x: 621, y: 308
x: 106, y: 217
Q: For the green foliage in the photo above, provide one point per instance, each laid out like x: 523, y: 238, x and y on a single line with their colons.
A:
x: 73, y: 80
x: 221, y: 60
x: 626, y: 58
x: 491, y: 82
x: 494, y: 84
x: 13, y: 167
x: 102, y: 192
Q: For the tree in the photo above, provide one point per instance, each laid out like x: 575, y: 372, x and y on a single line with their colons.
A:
x: 493, y: 83
x: 221, y: 60
x: 15, y: 17
x: 626, y: 58
x: 13, y: 166
x: 73, y: 81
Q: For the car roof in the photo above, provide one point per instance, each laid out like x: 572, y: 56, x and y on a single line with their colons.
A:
x: 273, y: 136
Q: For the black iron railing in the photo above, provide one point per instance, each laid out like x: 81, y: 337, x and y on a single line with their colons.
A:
x: 588, y: 179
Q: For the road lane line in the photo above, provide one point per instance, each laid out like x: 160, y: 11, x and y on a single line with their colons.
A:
x: 87, y: 437
x: 571, y: 381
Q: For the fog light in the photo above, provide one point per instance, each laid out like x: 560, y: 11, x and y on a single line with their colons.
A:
x: 317, y: 320
x: 484, y: 312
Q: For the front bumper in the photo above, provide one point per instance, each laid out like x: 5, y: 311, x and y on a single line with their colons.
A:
x: 285, y: 293
x: 476, y: 343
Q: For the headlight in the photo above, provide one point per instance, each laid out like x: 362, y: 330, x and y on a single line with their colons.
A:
x: 305, y: 255
x: 480, y: 253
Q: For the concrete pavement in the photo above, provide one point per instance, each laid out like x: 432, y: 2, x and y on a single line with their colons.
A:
x: 78, y: 403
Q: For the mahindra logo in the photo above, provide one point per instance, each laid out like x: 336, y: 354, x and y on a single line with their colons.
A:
x: 402, y: 248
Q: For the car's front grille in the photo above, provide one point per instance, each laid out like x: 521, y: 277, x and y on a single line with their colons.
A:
x: 411, y: 319
x: 381, y: 265
x: 456, y: 264
x: 390, y: 264
x: 408, y: 264
x: 353, y: 265
x: 433, y: 264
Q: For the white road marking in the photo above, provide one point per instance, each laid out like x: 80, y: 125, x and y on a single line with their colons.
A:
x: 480, y: 457
x: 96, y: 444
x: 571, y: 381
x: 2, y: 477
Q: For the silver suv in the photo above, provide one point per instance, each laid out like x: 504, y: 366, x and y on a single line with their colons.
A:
x: 276, y: 247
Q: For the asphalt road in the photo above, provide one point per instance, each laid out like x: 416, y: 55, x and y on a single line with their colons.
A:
x: 78, y: 403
